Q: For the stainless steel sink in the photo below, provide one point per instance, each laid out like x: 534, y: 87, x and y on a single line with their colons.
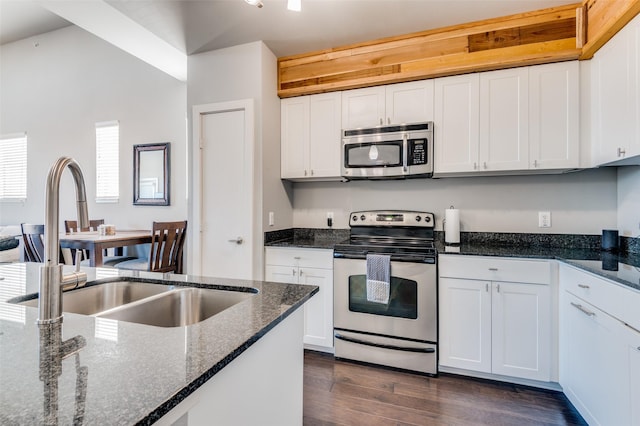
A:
x: 98, y: 298
x: 145, y: 303
x: 177, y: 308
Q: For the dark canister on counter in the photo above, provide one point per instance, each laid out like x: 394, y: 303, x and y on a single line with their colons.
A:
x: 610, y: 240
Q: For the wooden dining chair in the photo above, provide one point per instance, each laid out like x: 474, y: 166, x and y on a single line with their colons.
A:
x: 72, y: 225
x: 33, y: 238
x: 165, y: 254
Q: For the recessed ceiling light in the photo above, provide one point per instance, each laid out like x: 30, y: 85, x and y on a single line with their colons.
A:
x: 295, y: 5
x: 255, y: 3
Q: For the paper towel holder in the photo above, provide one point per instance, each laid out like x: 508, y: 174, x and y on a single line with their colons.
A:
x: 455, y: 241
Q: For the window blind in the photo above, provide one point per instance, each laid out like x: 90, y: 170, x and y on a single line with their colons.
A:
x: 107, y: 161
x: 13, y: 167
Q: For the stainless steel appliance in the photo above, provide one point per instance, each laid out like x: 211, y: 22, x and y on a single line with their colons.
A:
x: 402, y: 333
x: 388, y: 152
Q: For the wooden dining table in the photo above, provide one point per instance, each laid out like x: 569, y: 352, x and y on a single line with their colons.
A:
x: 95, y: 243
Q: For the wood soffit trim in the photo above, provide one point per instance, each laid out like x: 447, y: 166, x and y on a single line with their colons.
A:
x: 536, y: 37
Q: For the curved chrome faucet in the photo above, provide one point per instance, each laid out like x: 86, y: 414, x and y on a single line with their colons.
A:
x: 51, y: 278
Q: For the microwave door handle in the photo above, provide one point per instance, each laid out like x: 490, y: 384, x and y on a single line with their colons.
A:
x: 404, y: 152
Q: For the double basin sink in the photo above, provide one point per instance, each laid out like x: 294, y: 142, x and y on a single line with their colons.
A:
x: 156, y: 304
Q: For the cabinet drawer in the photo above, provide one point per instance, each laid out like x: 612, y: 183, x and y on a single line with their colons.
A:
x: 601, y: 293
x: 304, y: 258
x: 495, y: 269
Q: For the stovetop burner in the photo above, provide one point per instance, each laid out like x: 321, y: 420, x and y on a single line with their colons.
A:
x: 404, y: 235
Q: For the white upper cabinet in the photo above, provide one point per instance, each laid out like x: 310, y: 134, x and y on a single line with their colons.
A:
x: 456, y: 123
x: 294, y: 128
x: 504, y: 133
x: 554, y: 116
x: 409, y: 102
x: 615, y: 95
x: 392, y: 104
x: 310, y: 136
x: 508, y: 120
x: 363, y: 107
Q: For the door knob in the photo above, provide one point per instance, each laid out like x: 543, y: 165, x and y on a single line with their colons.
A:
x: 238, y: 241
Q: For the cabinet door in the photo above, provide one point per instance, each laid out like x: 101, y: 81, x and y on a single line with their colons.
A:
x: 318, y: 311
x: 554, y: 107
x: 409, y: 102
x: 612, y: 78
x: 281, y: 274
x: 456, y: 123
x: 633, y: 348
x: 465, y: 324
x: 521, y: 330
x: 504, y: 118
x: 294, y: 140
x: 363, y: 107
x: 596, y: 375
x: 325, y: 120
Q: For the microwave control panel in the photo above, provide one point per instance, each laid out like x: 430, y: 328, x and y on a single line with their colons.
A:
x: 417, y: 152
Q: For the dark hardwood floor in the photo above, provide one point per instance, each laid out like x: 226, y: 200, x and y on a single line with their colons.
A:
x: 344, y: 393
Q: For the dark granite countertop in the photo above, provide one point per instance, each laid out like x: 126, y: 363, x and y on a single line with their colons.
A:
x: 306, y: 238
x: 581, y: 251
x: 124, y: 373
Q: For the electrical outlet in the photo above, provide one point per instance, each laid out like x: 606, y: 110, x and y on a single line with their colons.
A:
x: 544, y: 219
x: 272, y: 220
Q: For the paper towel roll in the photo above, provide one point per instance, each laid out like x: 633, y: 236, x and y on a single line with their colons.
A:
x: 452, y: 226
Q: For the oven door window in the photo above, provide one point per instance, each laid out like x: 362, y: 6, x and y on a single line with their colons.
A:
x: 373, y: 154
x: 403, y: 298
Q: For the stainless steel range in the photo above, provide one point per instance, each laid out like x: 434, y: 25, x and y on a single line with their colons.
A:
x: 401, y: 329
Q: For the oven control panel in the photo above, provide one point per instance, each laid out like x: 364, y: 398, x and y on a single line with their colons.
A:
x: 392, y: 218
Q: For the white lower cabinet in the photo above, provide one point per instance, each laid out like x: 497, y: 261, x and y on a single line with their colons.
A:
x: 499, y: 323
x: 599, y: 352
x: 312, y: 267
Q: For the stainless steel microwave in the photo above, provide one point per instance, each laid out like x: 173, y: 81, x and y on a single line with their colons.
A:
x: 388, y: 152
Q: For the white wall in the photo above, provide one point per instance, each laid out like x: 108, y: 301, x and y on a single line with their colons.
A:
x: 248, y: 72
x: 629, y: 201
x: 581, y: 203
x: 57, y: 91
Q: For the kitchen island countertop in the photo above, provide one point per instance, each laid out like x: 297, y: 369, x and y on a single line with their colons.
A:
x: 125, y: 373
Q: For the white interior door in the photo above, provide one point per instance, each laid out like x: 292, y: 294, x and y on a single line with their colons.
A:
x: 224, y: 207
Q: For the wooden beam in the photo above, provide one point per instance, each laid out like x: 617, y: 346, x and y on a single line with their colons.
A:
x: 451, y: 50
x: 604, y: 19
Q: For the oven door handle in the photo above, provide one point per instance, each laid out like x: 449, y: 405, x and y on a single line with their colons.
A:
x: 379, y: 345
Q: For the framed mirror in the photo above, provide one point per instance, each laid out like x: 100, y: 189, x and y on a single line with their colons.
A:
x: 151, y: 174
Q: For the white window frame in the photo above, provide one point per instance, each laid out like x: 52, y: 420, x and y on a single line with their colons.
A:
x: 108, y: 162
x: 13, y: 167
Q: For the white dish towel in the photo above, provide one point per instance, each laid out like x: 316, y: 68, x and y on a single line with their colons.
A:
x: 378, y: 278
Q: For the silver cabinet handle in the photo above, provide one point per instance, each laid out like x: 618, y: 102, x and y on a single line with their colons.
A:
x: 493, y: 269
x: 486, y: 287
x: 381, y: 122
x: 621, y: 152
x: 498, y: 288
x: 293, y: 272
x: 296, y: 257
x: 305, y: 172
x: 583, y: 286
x: 238, y: 241
x: 388, y: 120
x: 583, y: 310
x: 301, y: 272
x: 485, y: 164
x: 475, y: 165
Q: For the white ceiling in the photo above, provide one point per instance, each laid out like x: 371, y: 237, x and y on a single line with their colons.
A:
x: 193, y: 26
